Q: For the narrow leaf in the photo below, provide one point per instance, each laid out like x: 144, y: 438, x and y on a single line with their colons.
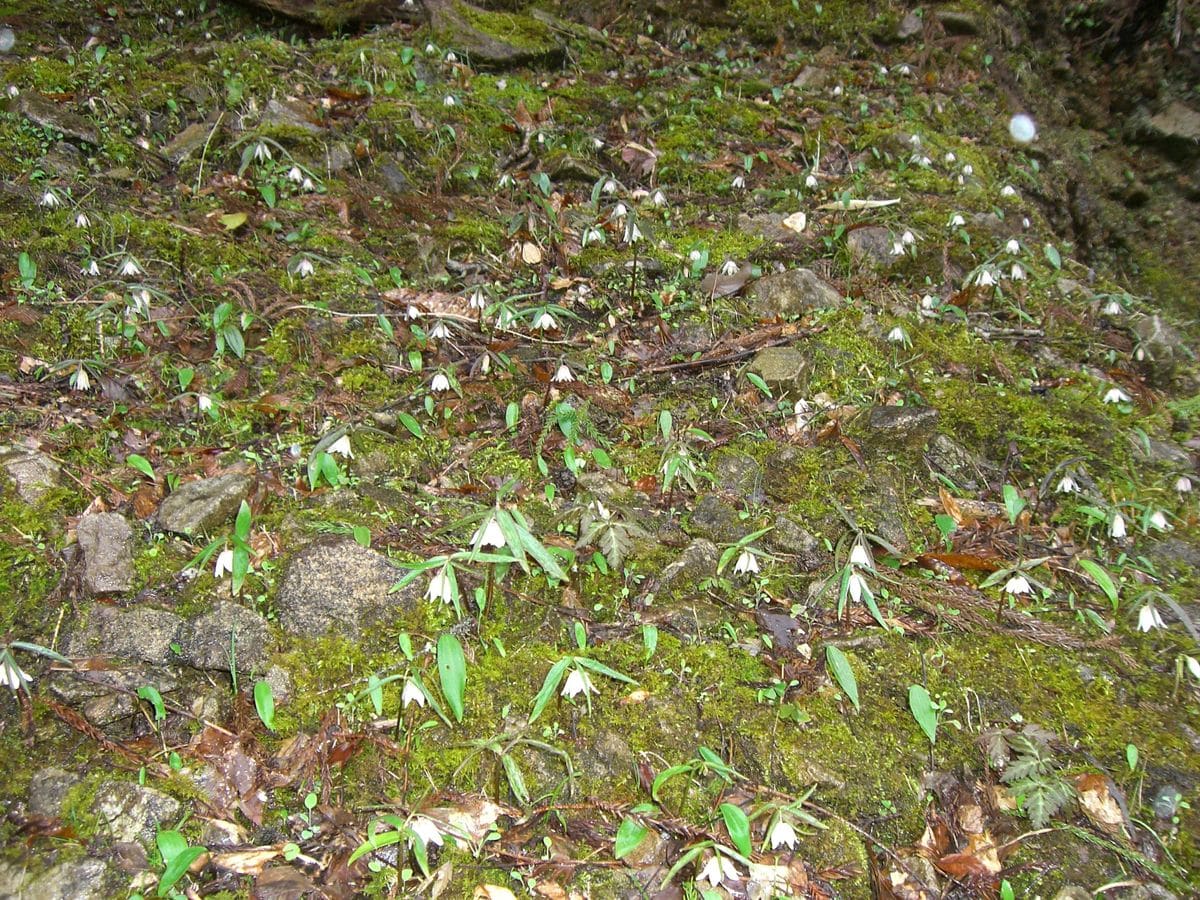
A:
x: 264, y: 703
x: 1102, y: 578
x: 452, y: 669
x: 921, y: 705
x: 839, y: 667
x: 549, y: 688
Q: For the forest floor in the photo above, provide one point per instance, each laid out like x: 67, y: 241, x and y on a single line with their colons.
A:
x: 721, y: 454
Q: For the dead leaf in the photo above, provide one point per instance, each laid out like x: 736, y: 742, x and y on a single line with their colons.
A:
x: 493, y: 892
x: 246, y: 862
x: 551, y: 889
x: 797, y: 222
x: 858, y: 204
x: 1099, y: 805
x: 634, y: 697
x: 717, y: 285
x: 641, y: 160
x: 951, y: 506
x: 531, y: 253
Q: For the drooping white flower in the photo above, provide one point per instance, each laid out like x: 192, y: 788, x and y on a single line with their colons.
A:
x: 80, y: 380
x: 837, y: 90
x: 1022, y: 128
x: 262, y: 152
x: 449, y: 100
x: 968, y: 170
x: 488, y: 534
x: 729, y: 267
x: 950, y: 158
x: 563, y: 374
x: 1008, y: 191
x: 440, y: 383
x: 1158, y: 521
x: 1013, y: 246
x: 440, y: 331
x: 91, y: 268
x: 204, y: 403
x: 478, y: 299
x: 782, y: 835
x: 923, y: 161
x: 908, y: 238
x: 441, y: 586
x: 50, y: 200
x: 1018, y: 272
x: 224, y: 563
x: 620, y: 211
x: 929, y: 302
x: 304, y: 267
x: 810, y: 181
x: 578, y: 683
x: 861, y: 556
x: 1193, y: 666
x: 591, y: 235
x: 658, y: 198
x: 1018, y: 584
x: 505, y: 181
x: 342, y: 447
x: 985, y: 278
x: 426, y: 830
x: 307, y: 185
x: 1067, y: 485
x: 1116, y: 395
x: 747, y: 563
x: 897, y: 248
x: 1148, y: 618
x: 451, y: 56
x: 412, y: 693
x: 905, y: 70
x: 857, y: 586
x: 1183, y: 485
x: 739, y: 182
x: 883, y: 71
x: 82, y: 221
x: 12, y: 676
x: 717, y: 869
x: 1112, y: 308
x: 545, y: 322
x: 898, y: 335
x: 1116, y: 528
x: 956, y: 221
x: 633, y: 234
x: 129, y: 268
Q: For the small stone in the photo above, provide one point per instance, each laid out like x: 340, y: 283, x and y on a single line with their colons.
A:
x: 957, y: 21
x: 144, y: 634
x: 911, y: 24
x: 786, y: 632
x: 227, y: 635
x: 133, y: 812
x: 785, y: 371
x: 1165, y: 801
x: 490, y: 39
x: 1162, y: 346
x: 872, y: 244
x: 8, y: 39
x: 289, y: 113
x: 191, y: 140
x: 78, y: 879
x: 792, y: 293
x: 909, y: 426
x: 31, y: 470
x: 199, y: 507
x: 788, y: 537
x: 739, y: 475
x: 48, y: 788
x: 107, y: 544
x: 716, y: 519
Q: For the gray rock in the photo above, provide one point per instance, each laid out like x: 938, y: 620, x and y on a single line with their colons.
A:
x: 492, y: 39
x: 335, y: 585
x: 697, y: 562
x: 716, y: 519
x: 739, y: 475
x: 911, y: 24
x: 133, y: 812
x: 811, y: 77
x: 109, y: 695
x: 48, y: 788
x: 608, y: 757
x: 1176, y: 126
x: 1164, y: 453
x: 893, y: 427
x: 872, y: 244
x: 767, y: 227
x: 77, y: 879
x: 792, y: 293
x: 338, y: 158
x: 48, y: 114
x: 107, y: 544
x: 788, y: 537
x: 388, y: 176
x: 1165, y: 801
x: 1163, y: 348
x: 785, y: 370
x: 785, y: 631
x: 8, y: 39
x: 289, y: 114
x: 143, y: 634
x: 32, y: 471
x: 958, y: 21
x: 966, y: 469
x: 886, y: 505
x: 208, y: 641
x: 191, y: 140
x: 199, y: 507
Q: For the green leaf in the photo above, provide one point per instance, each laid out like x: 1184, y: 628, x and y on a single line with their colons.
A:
x: 630, y: 833
x: 1006, y: 890
x: 385, y: 326
x: 549, y: 688
x: 241, y: 525
x: 377, y: 841
x: 663, y: 777
x: 601, y: 669
x: 665, y: 422
x: 264, y: 703
x: 151, y: 695
x: 170, y: 844
x: 757, y: 381
x: 241, y: 566
x: 142, y: 465
x: 1131, y: 756
x: 1052, y: 256
x: 511, y: 414
x: 233, y: 337
x: 233, y: 221
x: 515, y: 780
x: 185, y: 377
x: 329, y: 469
x: 452, y: 669
x: 738, y: 827
x: 921, y: 705
x: 1103, y: 580
x: 1014, y: 503
x: 177, y: 867
x: 362, y: 535
x: 839, y: 667
x: 411, y: 424
x: 649, y: 640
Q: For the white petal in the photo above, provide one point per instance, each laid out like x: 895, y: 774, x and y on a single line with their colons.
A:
x: 342, y: 447
x: 578, y: 683
x: 426, y: 830
x: 782, y: 835
x: 413, y: 694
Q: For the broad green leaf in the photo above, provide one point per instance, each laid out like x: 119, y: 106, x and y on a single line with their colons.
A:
x: 329, y: 469
x: 376, y: 841
x: 1052, y: 256
x: 921, y: 705
x: 362, y: 535
x: 663, y: 777
x: 264, y: 703
x: 515, y: 780
x: 151, y: 695
x: 412, y: 425
x: 649, y: 640
x: 241, y: 525
x: 757, y: 381
x: 185, y: 377
x: 630, y: 834
x: 241, y: 567
x: 1014, y: 503
x: 452, y: 669
x: 1131, y: 756
x: 385, y: 325
x: 233, y: 337
x: 511, y: 414
x: 141, y: 464
x: 170, y: 844
x: 839, y: 667
x: 177, y: 867
x: 233, y: 221
x: 738, y: 827
x: 665, y: 421
x: 1103, y: 580
x: 549, y: 688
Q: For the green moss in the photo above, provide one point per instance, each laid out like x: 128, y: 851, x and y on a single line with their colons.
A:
x: 518, y: 30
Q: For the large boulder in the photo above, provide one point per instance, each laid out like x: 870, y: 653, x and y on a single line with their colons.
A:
x: 198, y: 507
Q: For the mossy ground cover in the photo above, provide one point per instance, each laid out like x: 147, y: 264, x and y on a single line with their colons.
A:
x: 312, y: 264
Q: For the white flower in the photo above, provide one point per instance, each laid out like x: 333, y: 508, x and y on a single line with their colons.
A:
x: 968, y: 170
x: 860, y: 555
x: 342, y: 447
x: 905, y: 71
x: 204, y: 402
x: 620, y: 211
x: 897, y: 248
x: 129, y: 268
x: 426, y: 830
x: 545, y: 322
x: 591, y: 235
x: 50, y: 200
x: 489, y: 534
x: 1159, y: 521
x: 578, y: 683
x: 1112, y: 308
x: 14, y: 91
x: 1149, y: 618
x: 729, y: 267
x: 739, y: 182
x: 1013, y: 246
x: 502, y: 84
x: 837, y: 91
x: 601, y: 510
x: 440, y: 383
x: 929, y: 302
x: 1018, y: 272
x: 1183, y: 485
x: 782, y: 835
x: 449, y: 100
x: 563, y: 374
x: 1022, y: 128
x: 1018, y: 584
x: 451, y: 56
x: 633, y: 234
x: 478, y: 299
x: 304, y: 267
x: 747, y: 563
x: 82, y: 221
x: 908, y: 238
x: 1193, y: 666
x: 985, y: 278
x: 923, y: 161
x: 80, y: 380
x: 658, y: 198
x: 717, y: 869
x: 898, y: 335
x: 430, y: 48
x: 1116, y: 528
x: 441, y: 586
x: 857, y: 586
x: 956, y: 221
x: 412, y: 693
x: 1008, y: 191
x: 504, y: 181
x: 811, y: 182
x: 90, y: 269
x: 949, y: 158
x: 307, y: 185
x: 262, y: 152
x: 883, y: 70
x: 1067, y: 485
x: 12, y: 676
x: 439, y: 331
x: 224, y: 563
x: 1116, y: 395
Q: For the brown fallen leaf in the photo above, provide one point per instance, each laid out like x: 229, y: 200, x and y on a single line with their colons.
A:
x: 1100, y: 806
x: 246, y: 862
x: 493, y: 892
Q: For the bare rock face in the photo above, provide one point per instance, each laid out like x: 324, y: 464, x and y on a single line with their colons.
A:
x: 338, y: 13
x: 200, y: 506
x: 32, y: 471
x: 107, y: 543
